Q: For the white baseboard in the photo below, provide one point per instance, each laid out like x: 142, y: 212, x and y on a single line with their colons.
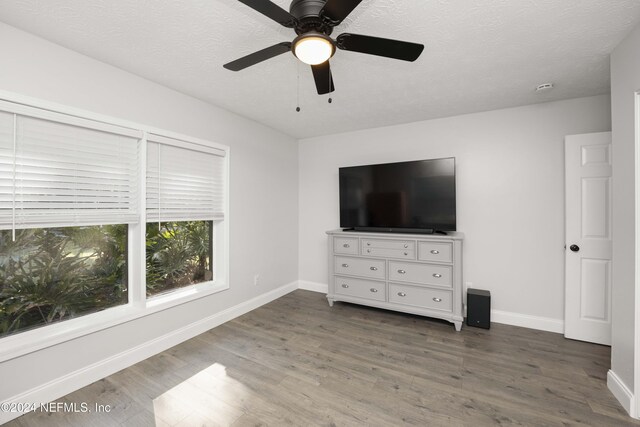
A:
x: 621, y: 392
x: 528, y: 321
x: 64, y: 385
x: 498, y: 316
x: 323, y: 288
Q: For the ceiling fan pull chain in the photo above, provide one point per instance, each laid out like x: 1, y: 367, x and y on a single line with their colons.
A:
x: 330, y: 81
x: 298, y: 88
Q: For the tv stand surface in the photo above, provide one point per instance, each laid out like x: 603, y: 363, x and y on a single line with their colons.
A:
x: 411, y: 273
x: 395, y: 230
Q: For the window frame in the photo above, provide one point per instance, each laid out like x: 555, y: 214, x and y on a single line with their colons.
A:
x: 138, y: 305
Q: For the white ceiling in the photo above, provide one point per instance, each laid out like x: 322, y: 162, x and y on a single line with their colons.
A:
x: 479, y: 54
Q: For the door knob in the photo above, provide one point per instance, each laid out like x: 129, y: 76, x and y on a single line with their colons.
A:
x: 574, y: 248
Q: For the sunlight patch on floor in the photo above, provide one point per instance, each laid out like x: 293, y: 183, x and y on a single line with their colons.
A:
x: 208, y: 398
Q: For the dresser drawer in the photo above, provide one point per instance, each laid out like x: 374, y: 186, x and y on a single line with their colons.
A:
x: 417, y: 296
x: 426, y: 274
x: 435, y: 251
x: 345, y: 245
x: 388, y: 244
x: 390, y: 253
x: 373, y: 268
x: 360, y: 288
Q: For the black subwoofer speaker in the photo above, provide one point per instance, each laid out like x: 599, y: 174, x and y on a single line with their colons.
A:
x: 479, y: 308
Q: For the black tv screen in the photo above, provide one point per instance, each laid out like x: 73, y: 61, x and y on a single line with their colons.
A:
x: 409, y: 196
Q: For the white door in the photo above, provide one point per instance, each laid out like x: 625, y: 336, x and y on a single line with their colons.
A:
x: 588, y: 237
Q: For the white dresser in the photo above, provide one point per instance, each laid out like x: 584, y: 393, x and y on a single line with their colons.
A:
x: 413, y: 273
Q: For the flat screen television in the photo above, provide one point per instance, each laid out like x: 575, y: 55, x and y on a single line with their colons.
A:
x: 413, y: 197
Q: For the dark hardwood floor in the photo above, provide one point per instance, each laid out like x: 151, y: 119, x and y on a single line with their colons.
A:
x: 298, y: 362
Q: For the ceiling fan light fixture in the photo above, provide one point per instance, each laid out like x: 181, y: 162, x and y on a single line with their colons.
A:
x: 313, y: 48
x: 314, y: 21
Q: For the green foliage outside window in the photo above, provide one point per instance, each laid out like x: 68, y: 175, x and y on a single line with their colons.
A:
x: 54, y: 274
x: 178, y: 255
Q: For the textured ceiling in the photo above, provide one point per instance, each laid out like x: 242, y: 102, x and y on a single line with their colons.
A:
x: 479, y: 54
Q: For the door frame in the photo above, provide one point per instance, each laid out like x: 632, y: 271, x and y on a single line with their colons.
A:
x: 635, y: 404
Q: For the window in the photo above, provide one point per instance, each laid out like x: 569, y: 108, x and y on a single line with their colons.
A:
x: 67, y: 194
x: 185, y: 194
x: 83, y: 203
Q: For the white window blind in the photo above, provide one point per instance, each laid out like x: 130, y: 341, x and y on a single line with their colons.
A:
x: 185, y: 181
x: 56, y: 174
x: 6, y: 170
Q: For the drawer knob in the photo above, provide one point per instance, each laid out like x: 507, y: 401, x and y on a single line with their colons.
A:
x: 374, y: 290
x: 344, y: 285
x: 437, y: 276
x: 401, y: 271
x: 368, y: 244
x: 345, y: 265
x: 373, y: 268
x: 368, y: 251
x: 406, y: 253
x: 435, y: 252
x: 406, y: 246
x: 402, y: 294
x: 437, y: 299
x: 346, y: 245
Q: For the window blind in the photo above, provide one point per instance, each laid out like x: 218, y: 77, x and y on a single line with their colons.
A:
x: 6, y: 170
x: 56, y: 174
x: 185, y: 181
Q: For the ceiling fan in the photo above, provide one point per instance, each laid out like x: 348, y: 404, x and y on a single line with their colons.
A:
x: 313, y: 22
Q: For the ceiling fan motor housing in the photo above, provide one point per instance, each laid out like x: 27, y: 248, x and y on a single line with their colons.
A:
x: 306, y: 8
x: 307, y: 12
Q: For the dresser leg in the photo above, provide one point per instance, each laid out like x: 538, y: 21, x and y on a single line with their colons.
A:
x: 458, y: 326
x: 330, y: 302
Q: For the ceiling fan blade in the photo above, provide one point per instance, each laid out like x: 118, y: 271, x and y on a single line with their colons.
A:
x: 337, y: 10
x: 388, y: 48
x: 324, y: 79
x: 257, y: 57
x: 271, y: 10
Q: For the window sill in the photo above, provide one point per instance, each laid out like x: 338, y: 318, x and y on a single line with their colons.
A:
x: 23, y: 343
x: 183, y: 295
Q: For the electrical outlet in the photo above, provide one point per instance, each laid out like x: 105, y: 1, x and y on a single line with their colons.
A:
x: 256, y: 279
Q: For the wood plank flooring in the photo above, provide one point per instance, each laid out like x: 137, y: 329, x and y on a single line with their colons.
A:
x: 298, y: 362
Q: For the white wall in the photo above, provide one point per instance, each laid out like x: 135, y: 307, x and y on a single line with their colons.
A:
x: 510, y: 193
x: 625, y: 80
x: 263, y: 200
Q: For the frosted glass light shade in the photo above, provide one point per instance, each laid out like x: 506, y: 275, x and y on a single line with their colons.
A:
x: 313, y: 50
